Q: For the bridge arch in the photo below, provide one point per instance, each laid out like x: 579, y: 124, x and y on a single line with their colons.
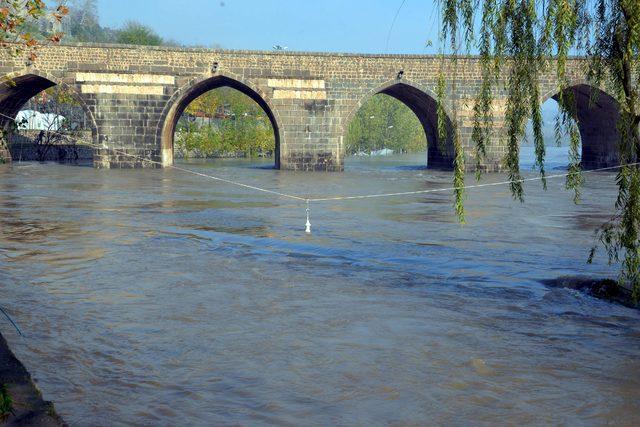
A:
x: 196, y: 87
x: 422, y: 101
x: 17, y: 88
x: 597, y: 116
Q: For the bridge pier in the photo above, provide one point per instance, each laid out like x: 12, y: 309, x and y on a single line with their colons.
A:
x: 310, y: 141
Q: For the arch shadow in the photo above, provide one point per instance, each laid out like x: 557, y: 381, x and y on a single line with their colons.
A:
x: 196, y: 87
x: 597, y: 115
x: 422, y: 101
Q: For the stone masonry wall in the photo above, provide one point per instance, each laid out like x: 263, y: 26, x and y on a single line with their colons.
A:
x: 132, y: 94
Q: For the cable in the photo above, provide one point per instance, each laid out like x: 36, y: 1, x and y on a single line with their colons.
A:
x: 11, y: 320
x: 393, y: 23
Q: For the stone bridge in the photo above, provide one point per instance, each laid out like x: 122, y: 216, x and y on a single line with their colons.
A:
x: 133, y: 97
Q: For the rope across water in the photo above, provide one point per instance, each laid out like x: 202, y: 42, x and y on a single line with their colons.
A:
x: 465, y: 187
x: 309, y: 200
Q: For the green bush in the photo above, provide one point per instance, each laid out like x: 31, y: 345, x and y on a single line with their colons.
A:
x: 6, y: 403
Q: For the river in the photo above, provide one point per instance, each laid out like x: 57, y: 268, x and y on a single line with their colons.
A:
x: 154, y: 297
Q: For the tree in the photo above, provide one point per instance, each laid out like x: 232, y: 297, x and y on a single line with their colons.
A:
x: 83, y: 24
x: 518, y: 39
x: 234, y: 124
x: 208, y: 103
x: 61, y: 125
x: 139, y: 34
x: 385, y: 122
x: 19, y: 25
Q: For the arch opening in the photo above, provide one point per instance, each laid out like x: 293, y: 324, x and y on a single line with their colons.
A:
x: 42, y: 120
x: 178, y: 114
x: 439, y: 154
x: 557, y: 154
x: 596, y: 113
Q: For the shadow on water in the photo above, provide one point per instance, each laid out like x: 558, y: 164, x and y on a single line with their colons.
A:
x: 260, y: 163
x: 262, y: 167
x: 255, y: 231
x: 409, y: 168
x: 70, y: 163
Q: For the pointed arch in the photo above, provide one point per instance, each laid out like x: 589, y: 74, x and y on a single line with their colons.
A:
x: 598, y: 114
x: 422, y: 101
x: 196, y: 87
x: 19, y: 87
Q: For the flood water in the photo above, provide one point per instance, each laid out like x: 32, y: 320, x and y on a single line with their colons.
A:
x: 154, y: 297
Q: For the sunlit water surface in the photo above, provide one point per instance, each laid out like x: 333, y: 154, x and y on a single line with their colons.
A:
x: 153, y: 297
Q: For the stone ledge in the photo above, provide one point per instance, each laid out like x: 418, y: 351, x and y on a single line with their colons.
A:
x: 271, y: 52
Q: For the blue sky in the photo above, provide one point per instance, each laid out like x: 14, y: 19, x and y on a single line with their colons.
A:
x: 310, y: 25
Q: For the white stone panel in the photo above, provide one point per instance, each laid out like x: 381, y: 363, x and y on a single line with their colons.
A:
x: 299, y: 94
x: 296, y: 84
x: 155, y: 79
x: 122, y: 89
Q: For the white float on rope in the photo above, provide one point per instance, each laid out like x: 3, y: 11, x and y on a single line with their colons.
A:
x: 308, y: 224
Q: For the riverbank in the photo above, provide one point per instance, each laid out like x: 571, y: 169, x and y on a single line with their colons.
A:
x: 28, y: 406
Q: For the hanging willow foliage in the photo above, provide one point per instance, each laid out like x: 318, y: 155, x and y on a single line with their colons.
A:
x: 517, y: 41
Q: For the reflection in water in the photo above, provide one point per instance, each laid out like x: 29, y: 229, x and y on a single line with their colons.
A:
x: 157, y: 297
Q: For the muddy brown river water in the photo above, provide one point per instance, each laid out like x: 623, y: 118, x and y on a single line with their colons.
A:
x: 151, y: 297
